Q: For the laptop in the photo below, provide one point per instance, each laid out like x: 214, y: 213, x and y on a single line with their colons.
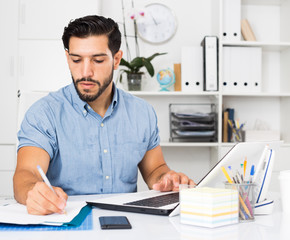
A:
x: 167, y: 203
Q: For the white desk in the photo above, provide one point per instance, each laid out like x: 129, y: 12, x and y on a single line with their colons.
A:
x: 150, y: 227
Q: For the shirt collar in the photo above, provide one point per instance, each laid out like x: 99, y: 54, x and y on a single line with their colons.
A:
x: 76, y: 101
x: 115, y: 97
x: 83, y: 106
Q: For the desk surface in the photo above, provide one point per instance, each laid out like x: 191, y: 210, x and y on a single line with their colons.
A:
x: 274, y: 226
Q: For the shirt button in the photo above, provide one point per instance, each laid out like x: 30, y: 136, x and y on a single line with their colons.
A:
x: 84, y: 111
x: 89, y: 107
x: 105, y: 150
x: 107, y: 177
x: 102, y: 124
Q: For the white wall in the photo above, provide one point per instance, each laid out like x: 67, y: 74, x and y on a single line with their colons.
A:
x: 195, y: 20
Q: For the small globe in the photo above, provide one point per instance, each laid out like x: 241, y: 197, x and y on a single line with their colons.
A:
x: 166, y: 78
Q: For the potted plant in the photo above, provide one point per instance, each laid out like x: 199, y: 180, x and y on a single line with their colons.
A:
x: 133, y: 71
x: 133, y: 68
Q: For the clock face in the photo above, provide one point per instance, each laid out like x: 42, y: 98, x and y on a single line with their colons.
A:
x: 158, y: 24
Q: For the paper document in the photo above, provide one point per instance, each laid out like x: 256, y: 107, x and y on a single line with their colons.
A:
x: 17, y: 214
x: 6, y: 200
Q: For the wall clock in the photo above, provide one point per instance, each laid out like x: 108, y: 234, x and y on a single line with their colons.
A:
x: 158, y: 25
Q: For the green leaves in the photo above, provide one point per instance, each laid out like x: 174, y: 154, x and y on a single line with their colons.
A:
x: 137, y: 63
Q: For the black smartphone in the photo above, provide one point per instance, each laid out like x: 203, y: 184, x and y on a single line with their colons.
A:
x: 114, y: 222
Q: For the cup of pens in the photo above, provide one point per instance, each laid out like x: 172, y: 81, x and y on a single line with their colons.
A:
x: 246, y: 200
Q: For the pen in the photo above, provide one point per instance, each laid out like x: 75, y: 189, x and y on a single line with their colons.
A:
x: 252, y: 173
x: 227, y: 175
x: 45, y: 179
x: 231, y: 174
x: 242, y: 169
x: 238, y: 176
x: 245, y: 166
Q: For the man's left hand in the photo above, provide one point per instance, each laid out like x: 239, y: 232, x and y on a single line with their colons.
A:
x: 171, y: 181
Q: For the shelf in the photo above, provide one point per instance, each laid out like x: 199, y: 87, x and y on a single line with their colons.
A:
x: 267, y: 46
x: 172, y: 93
x: 189, y: 144
x: 228, y: 144
x: 262, y: 2
x: 286, y: 145
x: 256, y: 94
x: 200, y: 144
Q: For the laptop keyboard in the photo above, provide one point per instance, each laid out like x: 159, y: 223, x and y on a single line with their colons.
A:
x: 158, y: 201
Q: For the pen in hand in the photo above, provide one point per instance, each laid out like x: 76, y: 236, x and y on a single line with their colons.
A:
x: 45, y: 179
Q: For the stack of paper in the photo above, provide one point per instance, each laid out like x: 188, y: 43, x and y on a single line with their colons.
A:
x: 17, y: 214
x: 209, y: 207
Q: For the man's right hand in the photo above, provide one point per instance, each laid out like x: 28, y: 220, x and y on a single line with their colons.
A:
x: 41, y: 200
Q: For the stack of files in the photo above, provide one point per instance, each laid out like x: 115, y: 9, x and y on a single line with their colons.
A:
x: 209, y: 207
x: 15, y: 217
x: 242, y: 69
x: 193, y: 127
x: 231, y: 20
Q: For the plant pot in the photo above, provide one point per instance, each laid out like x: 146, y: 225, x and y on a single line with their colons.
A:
x: 134, y: 81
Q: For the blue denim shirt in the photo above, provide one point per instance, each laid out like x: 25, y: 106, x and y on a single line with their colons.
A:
x: 90, y: 154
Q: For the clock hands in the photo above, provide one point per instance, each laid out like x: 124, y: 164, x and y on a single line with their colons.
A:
x: 154, y: 20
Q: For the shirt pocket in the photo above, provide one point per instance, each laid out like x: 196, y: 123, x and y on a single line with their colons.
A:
x: 126, y: 158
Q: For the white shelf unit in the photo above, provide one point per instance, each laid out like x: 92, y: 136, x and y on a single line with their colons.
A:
x: 269, y: 20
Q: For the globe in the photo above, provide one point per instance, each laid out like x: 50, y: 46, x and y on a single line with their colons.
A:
x: 166, y: 78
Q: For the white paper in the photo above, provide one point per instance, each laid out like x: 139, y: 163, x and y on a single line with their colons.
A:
x: 17, y: 214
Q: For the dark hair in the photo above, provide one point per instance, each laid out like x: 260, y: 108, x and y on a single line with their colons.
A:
x: 93, y: 25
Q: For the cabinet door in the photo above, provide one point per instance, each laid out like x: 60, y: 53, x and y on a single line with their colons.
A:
x: 43, y: 65
x: 6, y: 183
x: 7, y: 166
x: 8, y: 77
x: 43, y: 19
x: 8, y: 156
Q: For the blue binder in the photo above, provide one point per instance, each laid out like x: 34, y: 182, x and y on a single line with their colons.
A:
x: 83, y: 221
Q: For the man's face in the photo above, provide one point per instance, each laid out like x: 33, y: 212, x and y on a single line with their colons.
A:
x: 91, y: 64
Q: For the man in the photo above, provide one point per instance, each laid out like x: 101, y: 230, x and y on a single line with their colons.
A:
x: 89, y: 137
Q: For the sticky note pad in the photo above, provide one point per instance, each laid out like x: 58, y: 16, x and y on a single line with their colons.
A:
x: 209, y: 207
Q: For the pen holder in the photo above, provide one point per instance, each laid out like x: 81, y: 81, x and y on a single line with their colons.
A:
x: 246, y: 200
x: 238, y: 136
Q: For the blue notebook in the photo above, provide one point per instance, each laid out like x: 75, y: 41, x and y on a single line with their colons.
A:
x: 83, y: 221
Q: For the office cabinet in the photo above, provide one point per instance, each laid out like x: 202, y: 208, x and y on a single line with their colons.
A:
x: 8, y: 76
x: 32, y: 60
x: 43, y: 19
x: 42, y: 66
x: 42, y: 61
x: 8, y: 92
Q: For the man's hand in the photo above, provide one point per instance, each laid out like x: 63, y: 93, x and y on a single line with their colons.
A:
x: 41, y: 200
x: 170, y: 181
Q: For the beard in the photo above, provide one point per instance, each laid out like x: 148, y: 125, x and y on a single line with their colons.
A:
x: 87, y: 97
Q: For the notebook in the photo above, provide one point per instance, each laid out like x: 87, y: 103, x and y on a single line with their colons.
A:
x: 145, y: 202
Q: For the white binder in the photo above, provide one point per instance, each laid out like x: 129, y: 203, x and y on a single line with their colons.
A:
x: 210, y: 63
x: 226, y: 77
x: 191, y: 69
x: 242, y: 69
x: 231, y: 20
